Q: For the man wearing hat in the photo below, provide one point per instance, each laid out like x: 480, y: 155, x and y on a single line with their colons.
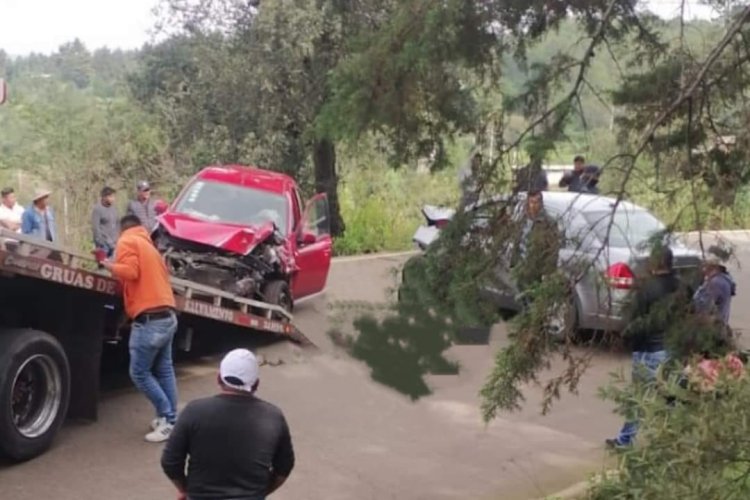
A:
x: 105, y: 222
x: 238, y: 445
x: 714, y: 296
x: 38, y: 220
x: 143, y: 206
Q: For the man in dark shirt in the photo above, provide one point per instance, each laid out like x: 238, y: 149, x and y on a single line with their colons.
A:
x: 239, y: 446
x: 654, y: 308
x: 583, y: 178
x: 143, y: 206
x: 105, y: 222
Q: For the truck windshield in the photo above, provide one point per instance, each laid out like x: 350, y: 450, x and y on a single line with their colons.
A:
x: 229, y: 203
x: 630, y: 228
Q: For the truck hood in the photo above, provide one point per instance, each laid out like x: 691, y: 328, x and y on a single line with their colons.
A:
x: 229, y: 237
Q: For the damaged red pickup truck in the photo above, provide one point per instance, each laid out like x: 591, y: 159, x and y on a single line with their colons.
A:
x: 246, y: 231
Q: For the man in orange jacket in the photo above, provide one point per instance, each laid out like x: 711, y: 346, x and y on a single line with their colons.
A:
x: 150, y: 304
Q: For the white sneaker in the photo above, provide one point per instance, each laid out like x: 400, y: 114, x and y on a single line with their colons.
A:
x: 154, y: 424
x: 161, y: 433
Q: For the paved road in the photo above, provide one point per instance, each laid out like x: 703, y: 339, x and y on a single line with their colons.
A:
x: 354, y: 439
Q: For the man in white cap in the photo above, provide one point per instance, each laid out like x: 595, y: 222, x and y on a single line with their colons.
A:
x: 239, y: 446
x: 38, y: 220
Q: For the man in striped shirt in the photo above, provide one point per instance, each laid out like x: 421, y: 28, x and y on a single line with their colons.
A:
x: 143, y: 207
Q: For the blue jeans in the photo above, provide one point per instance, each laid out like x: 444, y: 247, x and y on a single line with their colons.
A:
x: 645, y: 366
x: 151, y: 368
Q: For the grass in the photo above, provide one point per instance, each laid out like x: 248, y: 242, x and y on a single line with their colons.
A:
x: 382, y: 208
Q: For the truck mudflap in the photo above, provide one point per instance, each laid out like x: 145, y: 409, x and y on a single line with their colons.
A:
x: 33, y: 258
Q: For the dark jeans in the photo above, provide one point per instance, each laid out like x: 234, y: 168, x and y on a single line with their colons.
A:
x: 151, y: 367
x: 645, y: 366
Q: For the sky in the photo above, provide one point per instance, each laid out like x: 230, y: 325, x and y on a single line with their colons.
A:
x: 43, y: 25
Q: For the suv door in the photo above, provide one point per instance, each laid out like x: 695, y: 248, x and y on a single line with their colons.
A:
x: 312, y: 252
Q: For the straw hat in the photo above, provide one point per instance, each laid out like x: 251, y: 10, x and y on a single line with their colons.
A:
x: 41, y: 193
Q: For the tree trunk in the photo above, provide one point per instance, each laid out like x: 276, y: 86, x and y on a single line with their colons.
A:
x: 324, y: 159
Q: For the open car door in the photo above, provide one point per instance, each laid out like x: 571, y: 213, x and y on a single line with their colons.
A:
x: 313, y: 249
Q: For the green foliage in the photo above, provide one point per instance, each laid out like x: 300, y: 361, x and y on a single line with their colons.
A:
x: 382, y: 207
x: 692, y: 445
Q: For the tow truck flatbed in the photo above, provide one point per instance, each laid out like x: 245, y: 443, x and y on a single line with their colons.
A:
x: 58, y: 309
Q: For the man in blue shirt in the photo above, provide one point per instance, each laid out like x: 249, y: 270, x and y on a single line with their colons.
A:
x: 38, y: 220
x: 714, y: 297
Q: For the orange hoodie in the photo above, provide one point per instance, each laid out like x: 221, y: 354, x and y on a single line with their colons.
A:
x: 140, y: 268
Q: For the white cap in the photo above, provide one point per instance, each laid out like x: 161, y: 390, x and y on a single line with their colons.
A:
x: 239, y: 370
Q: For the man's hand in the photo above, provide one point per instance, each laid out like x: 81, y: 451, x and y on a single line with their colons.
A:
x: 107, y: 264
x: 181, y: 495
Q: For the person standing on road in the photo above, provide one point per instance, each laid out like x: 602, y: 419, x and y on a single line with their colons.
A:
x: 713, y: 299
x: 11, y: 211
x: 538, y: 245
x: 39, y: 220
x: 105, y: 222
x: 236, y: 445
x: 143, y: 207
x: 150, y: 304
x: 653, y: 312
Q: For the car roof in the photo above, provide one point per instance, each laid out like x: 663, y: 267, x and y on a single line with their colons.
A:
x: 246, y: 176
x: 561, y: 201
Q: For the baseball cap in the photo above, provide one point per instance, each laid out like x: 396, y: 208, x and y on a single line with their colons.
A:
x: 239, y: 370
x: 143, y: 186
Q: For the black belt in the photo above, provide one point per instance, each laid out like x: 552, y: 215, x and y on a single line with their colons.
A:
x: 151, y: 315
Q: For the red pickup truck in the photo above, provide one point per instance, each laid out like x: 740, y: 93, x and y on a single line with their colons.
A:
x: 246, y: 231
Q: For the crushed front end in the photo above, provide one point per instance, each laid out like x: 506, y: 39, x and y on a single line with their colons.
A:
x: 242, y: 275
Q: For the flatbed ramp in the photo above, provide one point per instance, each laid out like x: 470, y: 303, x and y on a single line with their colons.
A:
x: 26, y: 256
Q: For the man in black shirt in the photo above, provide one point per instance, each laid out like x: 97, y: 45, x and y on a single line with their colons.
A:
x: 654, y: 309
x: 582, y: 179
x: 239, y: 446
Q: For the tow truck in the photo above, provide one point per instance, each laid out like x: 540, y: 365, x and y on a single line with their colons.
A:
x: 57, y: 311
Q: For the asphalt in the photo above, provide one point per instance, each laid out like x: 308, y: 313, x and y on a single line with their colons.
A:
x: 355, y: 438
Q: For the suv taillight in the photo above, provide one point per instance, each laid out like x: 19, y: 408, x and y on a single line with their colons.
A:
x: 620, y: 276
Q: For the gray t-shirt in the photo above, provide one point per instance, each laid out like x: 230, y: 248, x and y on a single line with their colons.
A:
x: 105, y: 225
x: 144, y: 211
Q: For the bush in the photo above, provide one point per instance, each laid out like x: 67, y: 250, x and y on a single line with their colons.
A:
x: 382, y: 206
x: 693, y: 445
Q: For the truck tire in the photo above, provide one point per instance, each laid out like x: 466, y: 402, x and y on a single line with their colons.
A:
x: 277, y: 293
x: 34, y: 392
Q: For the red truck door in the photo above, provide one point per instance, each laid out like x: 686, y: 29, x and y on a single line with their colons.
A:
x: 313, y: 249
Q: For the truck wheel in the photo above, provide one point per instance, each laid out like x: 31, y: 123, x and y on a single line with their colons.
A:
x: 34, y: 392
x: 277, y: 293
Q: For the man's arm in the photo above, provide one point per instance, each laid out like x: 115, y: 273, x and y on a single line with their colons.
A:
x: 9, y: 224
x: 126, y: 266
x: 27, y: 222
x: 565, y: 180
x: 176, y: 451
x: 283, y: 459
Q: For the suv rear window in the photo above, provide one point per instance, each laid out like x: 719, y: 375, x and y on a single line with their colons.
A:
x: 630, y: 228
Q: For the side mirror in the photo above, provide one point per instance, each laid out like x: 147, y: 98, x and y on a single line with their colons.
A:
x: 307, y: 238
